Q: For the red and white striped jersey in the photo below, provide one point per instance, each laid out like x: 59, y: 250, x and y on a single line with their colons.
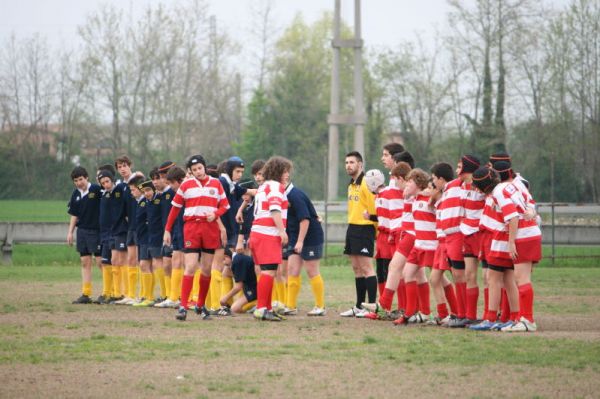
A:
x: 200, y: 198
x: 424, y: 215
x: 269, y: 197
x: 472, y: 202
x: 408, y: 221
x: 451, y: 207
x: 510, y: 202
x: 438, y: 225
x: 389, y: 205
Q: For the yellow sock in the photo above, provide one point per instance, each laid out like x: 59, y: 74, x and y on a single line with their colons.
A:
x: 86, y: 289
x: 132, y: 278
x: 196, y: 287
x: 147, y: 282
x: 116, y: 276
x: 280, y: 287
x: 293, y: 290
x: 168, y: 286
x: 226, y: 286
x: 152, y: 286
x: 215, y: 288
x: 248, y: 306
x: 274, y: 293
x: 106, y: 281
x: 159, y: 276
x: 318, y: 289
x: 176, y: 277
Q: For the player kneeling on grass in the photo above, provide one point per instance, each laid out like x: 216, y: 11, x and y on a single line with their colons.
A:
x: 244, y: 275
x: 268, y: 231
x: 204, y: 201
x: 516, y: 244
x: 84, y: 208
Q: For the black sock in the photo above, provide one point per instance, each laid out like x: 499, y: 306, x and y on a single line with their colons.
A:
x: 361, y: 291
x: 371, y: 283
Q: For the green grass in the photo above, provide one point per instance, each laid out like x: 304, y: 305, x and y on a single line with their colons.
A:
x: 33, y: 211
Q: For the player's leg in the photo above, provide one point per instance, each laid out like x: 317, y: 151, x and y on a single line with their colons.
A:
x: 294, y: 266
x: 216, y: 277
x: 190, y: 260
x: 317, y: 285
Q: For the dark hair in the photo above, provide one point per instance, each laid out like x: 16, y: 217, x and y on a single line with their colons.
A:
x: 393, y: 148
x: 123, y: 159
x: 420, y: 177
x: 79, y: 171
x: 485, y: 179
x: 175, y: 173
x: 356, y: 155
x: 222, y: 167
x: 257, y: 166
x: 443, y: 170
x: 154, y: 173
x: 136, y: 180
x: 275, y: 168
x: 401, y: 169
x: 108, y: 167
x: 211, y: 170
x: 404, y: 156
x: 227, y: 252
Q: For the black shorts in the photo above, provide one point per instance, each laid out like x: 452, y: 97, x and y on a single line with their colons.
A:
x: 311, y: 252
x: 360, y: 240
x: 167, y: 251
x: 131, y: 238
x: 120, y: 242
x: 143, y: 253
x: 500, y: 269
x: 232, y: 241
x: 88, y: 242
x: 106, y: 252
x: 382, y: 269
x: 250, y: 292
x: 198, y: 251
x: 155, y: 252
x: 177, y: 242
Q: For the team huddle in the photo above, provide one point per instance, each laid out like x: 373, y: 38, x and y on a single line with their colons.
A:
x: 218, y: 246
x: 207, y: 241
x: 486, y: 214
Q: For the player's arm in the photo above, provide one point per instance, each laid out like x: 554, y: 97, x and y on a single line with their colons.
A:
x: 72, y: 224
x: 237, y: 287
x: 304, y: 223
x: 278, y: 220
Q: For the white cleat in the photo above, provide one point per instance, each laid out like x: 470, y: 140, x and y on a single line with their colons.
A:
x: 351, y: 312
x: 316, y: 311
x: 124, y: 301
x: 522, y: 325
x: 167, y: 303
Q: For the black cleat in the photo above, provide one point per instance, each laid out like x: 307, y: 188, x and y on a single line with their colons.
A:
x: 181, y: 314
x: 202, y: 312
x: 224, y: 311
x: 84, y: 299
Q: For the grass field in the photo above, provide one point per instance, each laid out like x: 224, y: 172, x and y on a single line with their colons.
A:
x: 50, y: 348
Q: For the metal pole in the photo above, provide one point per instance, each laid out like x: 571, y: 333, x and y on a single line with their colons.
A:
x: 359, y: 127
x: 552, y: 203
x: 334, y: 133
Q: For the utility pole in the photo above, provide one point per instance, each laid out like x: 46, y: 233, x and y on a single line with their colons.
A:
x: 335, y: 117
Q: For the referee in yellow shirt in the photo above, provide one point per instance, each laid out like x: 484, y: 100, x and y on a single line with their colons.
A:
x: 360, y: 236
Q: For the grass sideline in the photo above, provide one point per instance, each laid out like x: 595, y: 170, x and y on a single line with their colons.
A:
x: 98, y: 351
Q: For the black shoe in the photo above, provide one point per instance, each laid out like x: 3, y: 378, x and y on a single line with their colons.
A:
x: 181, y: 314
x: 84, y: 299
x: 202, y: 312
x: 224, y: 311
x: 101, y: 300
x: 458, y: 323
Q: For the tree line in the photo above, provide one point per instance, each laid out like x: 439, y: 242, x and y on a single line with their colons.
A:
x: 515, y: 75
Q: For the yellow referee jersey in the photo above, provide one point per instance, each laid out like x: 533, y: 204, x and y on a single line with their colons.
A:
x: 360, y: 199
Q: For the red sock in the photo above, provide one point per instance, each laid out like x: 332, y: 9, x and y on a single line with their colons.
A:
x: 401, y: 295
x: 504, y: 307
x: 442, y: 310
x: 186, y: 287
x: 514, y: 316
x: 385, y: 300
x: 451, y: 298
x: 461, y: 291
x: 423, y: 292
x: 411, y: 298
x: 486, y: 300
x: 381, y: 287
x: 472, y: 297
x: 264, y: 291
x: 203, y: 291
x: 526, y: 301
x: 491, y: 315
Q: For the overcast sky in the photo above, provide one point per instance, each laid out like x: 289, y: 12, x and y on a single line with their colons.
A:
x: 385, y: 22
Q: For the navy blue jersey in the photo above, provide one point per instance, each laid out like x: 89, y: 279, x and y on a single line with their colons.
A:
x: 131, y: 207
x: 141, y: 221
x: 242, y: 267
x: 301, y: 208
x: 86, y: 207
x: 118, y: 210
x: 234, y: 196
x: 177, y: 231
x: 248, y: 215
x: 165, y: 204
x: 155, y: 225
x: 105, y: 216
